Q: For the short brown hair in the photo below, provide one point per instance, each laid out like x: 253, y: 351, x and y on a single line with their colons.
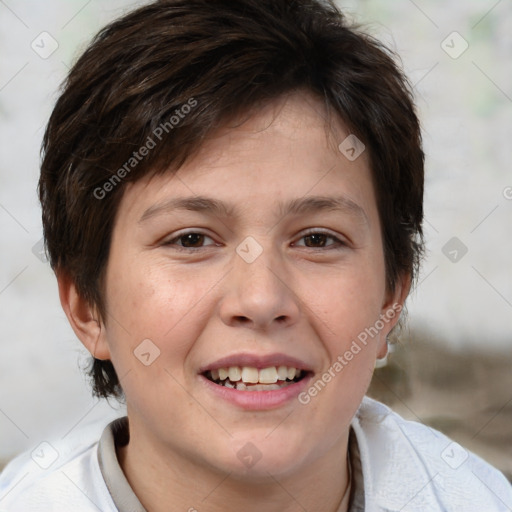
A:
x: 221, y: 58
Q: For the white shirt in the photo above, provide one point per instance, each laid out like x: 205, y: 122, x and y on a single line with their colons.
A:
x: 399, y: 465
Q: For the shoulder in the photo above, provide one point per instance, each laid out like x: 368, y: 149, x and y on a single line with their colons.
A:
x: 409, y: 466
x: 54, y: 474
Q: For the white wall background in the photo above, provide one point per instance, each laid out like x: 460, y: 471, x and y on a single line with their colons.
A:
x: 466, y: 107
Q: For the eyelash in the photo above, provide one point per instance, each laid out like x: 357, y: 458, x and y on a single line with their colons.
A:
x: 338, y: 242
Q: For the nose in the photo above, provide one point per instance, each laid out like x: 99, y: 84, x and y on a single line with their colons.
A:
x: 258, y: 294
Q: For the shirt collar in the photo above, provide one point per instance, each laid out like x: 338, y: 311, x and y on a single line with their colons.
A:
x: 116, y: 433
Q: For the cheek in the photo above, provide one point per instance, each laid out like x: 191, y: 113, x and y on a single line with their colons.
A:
x: 347, y: 302
x: 149, y: 299
x: 157, y: 303
x: 344, y: 308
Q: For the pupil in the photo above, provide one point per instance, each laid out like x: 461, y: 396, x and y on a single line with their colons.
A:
x: 190, y: 237
x: 315, y: 236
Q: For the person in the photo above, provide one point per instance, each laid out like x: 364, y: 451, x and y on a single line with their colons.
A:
x: 232, y: 201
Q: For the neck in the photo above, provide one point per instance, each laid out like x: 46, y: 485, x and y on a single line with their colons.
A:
x: 159, y: 478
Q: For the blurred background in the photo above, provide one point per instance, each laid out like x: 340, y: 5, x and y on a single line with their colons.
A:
x: 451, y: 366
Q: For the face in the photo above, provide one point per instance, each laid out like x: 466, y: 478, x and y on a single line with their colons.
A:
x: 226, y: 313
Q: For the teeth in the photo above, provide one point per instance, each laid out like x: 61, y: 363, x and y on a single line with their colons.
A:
x: 238, y: 377
x: 234, y: 374
x: 264, y: 387
x: 282, y: 373
x: 268, y: 375
x: 250, y: 375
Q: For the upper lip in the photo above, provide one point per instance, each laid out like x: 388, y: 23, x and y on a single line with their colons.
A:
x: 256, y: 361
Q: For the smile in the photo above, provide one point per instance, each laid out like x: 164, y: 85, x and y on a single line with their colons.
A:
x: 249, y: 378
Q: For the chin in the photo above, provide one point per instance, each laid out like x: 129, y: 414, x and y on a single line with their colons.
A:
x: 258, y: 458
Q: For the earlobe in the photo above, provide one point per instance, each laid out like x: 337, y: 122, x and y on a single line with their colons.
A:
x: 392, y: 309
x: 82, y: 317
x: 382, y: 354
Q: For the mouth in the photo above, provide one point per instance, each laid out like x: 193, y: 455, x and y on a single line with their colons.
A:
x: 257, y: 382
x: 250, y: 378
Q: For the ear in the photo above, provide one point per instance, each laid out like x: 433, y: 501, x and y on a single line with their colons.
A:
x: 391, y: 310
x: 82, y: 317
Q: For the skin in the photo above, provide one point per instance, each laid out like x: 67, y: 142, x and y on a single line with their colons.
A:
x: 306, y: 298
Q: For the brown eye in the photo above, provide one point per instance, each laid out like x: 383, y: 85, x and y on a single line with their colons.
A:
x: 190, y: 240
x: 319, y: 239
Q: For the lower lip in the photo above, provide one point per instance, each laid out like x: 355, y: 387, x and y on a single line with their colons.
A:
x: 258, y: 400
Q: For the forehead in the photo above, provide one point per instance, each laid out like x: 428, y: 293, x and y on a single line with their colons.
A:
x: 294, y: 118
x: 279, y: 154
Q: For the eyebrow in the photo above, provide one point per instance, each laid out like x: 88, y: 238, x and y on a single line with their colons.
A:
x: 299, y: 206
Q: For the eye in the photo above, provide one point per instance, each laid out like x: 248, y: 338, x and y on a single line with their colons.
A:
x: 189, y: 240
x: 316, y: 239
x: 194, y: 240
